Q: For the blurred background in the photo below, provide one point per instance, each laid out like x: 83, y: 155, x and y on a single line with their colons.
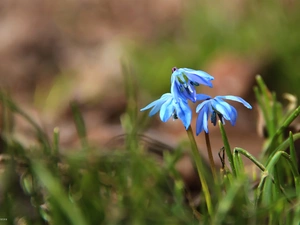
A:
x: 55, y: 52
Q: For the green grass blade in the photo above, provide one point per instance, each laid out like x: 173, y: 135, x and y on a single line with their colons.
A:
x: 80, y: 125
x: 262, y: 95
x: 283, y: 146
x: 42, y: 137
x: 251, y: 157
x: 53, y: 186
x: 259, y: 190
x: 238, y: 164
x: 292, y: 150
x: 55, y: 141
x: 280, y: 131
x: 227, y: 148
x: 271, y: 194
x: 227, y: 202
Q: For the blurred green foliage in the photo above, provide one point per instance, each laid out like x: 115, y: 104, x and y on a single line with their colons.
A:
x: 40, y: 185
x: 266, y: 31
x: 129, y: 185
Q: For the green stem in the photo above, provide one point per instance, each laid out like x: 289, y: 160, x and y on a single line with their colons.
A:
x: 200, y: 169
x: 210, y: 156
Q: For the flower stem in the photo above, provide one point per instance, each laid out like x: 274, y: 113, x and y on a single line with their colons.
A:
x: 210, y: 156
x: 199, y: 165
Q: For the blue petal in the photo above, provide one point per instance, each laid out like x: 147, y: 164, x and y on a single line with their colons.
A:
x: 176, y: 93
x: 151, y: 105
x: 222, y: 107
x: 199, y: 79
x: 201, y: 123
x: 201, y: 97
x: 197, y: 72
x: 184, y: 113
x: 233, y: 116
x: 156, y: 108
x: 231, y: 111
x: 157, y: 104
x: 237, y: 99
x: 205, y: 118
x: 200, y: 106
x: 166, y: 110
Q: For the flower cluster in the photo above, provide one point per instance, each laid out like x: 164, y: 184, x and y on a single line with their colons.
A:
x: 175, y: 104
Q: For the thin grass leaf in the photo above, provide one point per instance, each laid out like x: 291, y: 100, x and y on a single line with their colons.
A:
x: 262, y: 95
x: 265, y: 185
x: 129, y: 120
x: 283, y: 146
x: 55, y: 141
x: 41, y: 136
x: 53, y: 186
x: 7, y: 121
x: 251, y: 157
x: 130, y: 90
x: 273, y: 114
x: 240, y: 172
x: 290, y: 162
x: 277, y: 185
x: 80, y: 125
x: 227, y: 148
x: 279, y: 119
x: 270, y: 168
x: 227, y: 202
x: 270, y: 148
x: 270, y: 194
x: 292, y: 150
x: 238, y: 164
x: 259, y: 190
x: 293, y: 168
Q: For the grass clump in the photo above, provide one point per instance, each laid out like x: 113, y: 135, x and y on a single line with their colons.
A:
x: 126, y: 185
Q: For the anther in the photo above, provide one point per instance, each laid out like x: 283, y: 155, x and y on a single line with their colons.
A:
x: 213, y: 118
x: 175, y: 117
x: 194, y: 83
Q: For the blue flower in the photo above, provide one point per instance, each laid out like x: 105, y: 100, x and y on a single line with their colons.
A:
x: 168, y: 107
x: 216, y: 107
x: 184, y: 80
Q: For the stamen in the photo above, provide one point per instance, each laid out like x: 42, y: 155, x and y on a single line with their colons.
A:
x: 213, y: 118
x: 194, y: 83
x: 174, y: 115
x: 190, y: 89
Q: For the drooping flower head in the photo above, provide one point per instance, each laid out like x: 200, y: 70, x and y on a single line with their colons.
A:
x: 216, y: 107
x: 169, y: 107
x: 184, y: 80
